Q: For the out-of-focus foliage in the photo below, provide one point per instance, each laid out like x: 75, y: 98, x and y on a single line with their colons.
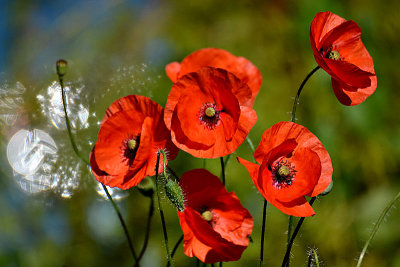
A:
x: 115, y: 48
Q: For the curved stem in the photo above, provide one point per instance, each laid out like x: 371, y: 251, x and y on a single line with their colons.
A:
x: 222, y: 170
x: 296, y: 231
x: 76, y: 150
x: 159, y: 203
x: 262, y: 233
x: 67, y: 121
x: 376, y: 227
x: 122, y: 224
x: 176, y: 247
x: 296, y: 100
x: 315, y: 257
x: 147, y: 235
x: 250, y: 144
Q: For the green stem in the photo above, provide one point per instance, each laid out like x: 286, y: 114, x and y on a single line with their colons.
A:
x: 376, y: 227
x: 315, y: 257
x: 222, y: 170
x: 67, y: 121
x: 286, y: 259
x: 250, y: 144
x: 296, y: 100
x: 159, y: 203
x: 74, y: 146
x: 176, y: 247
x: 147, y: 235
x: 290, y: 227
x: 122, y: 224
x: 263, y: 232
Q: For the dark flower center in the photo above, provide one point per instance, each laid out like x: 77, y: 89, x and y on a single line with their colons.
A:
x: 130, y: 147
x: 209, y: 115
x: 283, y: 173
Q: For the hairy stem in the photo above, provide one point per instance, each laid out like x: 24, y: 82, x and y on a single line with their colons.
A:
x: 159, y: 203
x: 296, y: 100
x: 376, y: 227
x: 296, y: 231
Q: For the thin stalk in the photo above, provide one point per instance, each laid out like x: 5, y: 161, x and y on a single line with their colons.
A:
x: 67, y: 121
x: 309, y: 260
x: 159, y: 203
x: 220, y: 264
x: 222, y: 170
x: 122, y: 224
x: 296, y: 100
x: 263, y: 232
x: 293, y: 119
x: 290, y: 227
x: 177, y: 245
x: 76, y: 150
x: 250, y: 144
x: 148, y: 226
x: 376, y: 227
x: 315, y: 257
x: 296, y: 231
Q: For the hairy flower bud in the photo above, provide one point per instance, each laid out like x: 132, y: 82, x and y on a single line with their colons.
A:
x: 175, y: 194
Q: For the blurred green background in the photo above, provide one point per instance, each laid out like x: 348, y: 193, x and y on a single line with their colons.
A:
x: 57, y: 217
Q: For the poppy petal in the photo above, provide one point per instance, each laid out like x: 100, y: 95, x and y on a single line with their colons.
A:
x: 350, y: 97
x: 172, y: 69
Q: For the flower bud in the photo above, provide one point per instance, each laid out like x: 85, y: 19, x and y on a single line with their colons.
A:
x: 327, y: 190
x: 175, y: 194
x: 61, y: 67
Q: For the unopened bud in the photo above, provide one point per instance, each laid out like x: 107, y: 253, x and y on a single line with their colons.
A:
x: 61, y: 67
x: 146, y: 187
x: 175, y: 194
x: 327, y: 190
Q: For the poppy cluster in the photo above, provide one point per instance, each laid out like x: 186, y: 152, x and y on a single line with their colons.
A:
x: 215, y: 225
x: 292, y: 164
x: 208, y: 114
x: 338, y: 49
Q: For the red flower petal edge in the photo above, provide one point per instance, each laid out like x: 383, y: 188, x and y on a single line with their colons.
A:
x: 218, y: 58
x: 215, y: 225
x: 293, y: 164
x: 207, y: 112
x: 338, y: 49
x: 131, y: 133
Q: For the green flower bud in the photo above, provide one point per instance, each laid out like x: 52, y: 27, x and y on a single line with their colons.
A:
x: 327, y: 190
x: 175, y: 194
x: 61, y: 66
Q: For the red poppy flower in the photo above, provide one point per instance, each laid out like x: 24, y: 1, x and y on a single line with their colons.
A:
x: 338, y: 49
x: 130, y: 135
x: 215, y: 225
x: 294, y: 164
x: 218, y: 58
x: 208, y: 114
